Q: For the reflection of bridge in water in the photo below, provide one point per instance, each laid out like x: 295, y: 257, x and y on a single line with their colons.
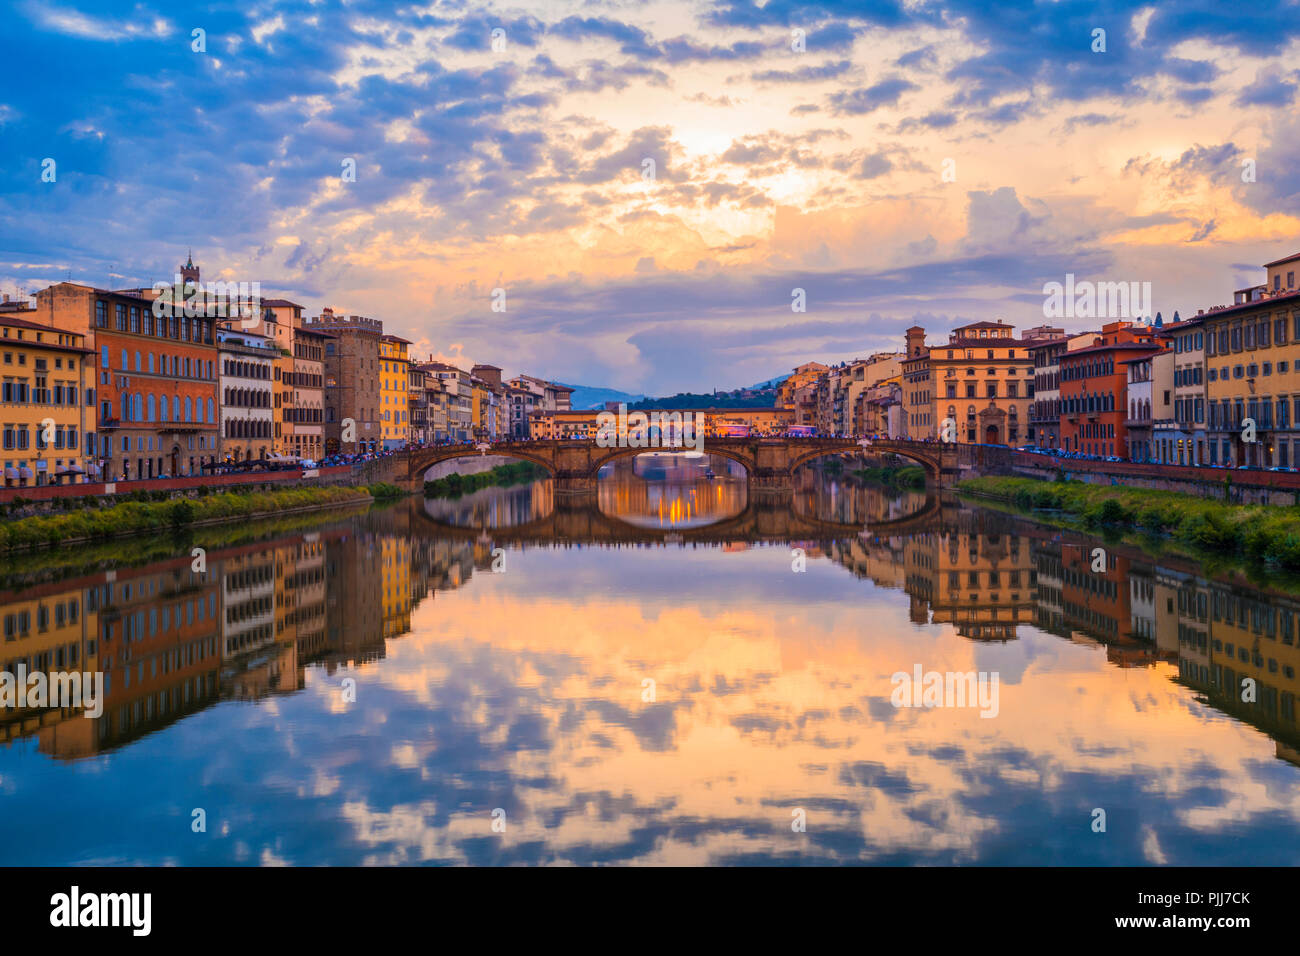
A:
x: 766, y: 518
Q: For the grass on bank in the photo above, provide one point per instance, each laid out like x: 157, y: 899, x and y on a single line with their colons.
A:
x: 135, y: 517
x: 455, y: 485
x: 1268, y: 533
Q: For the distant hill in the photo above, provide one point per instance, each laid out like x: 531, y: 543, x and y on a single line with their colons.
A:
x: 756, y: 398
x: 586, y: 396
x: 771, y: 383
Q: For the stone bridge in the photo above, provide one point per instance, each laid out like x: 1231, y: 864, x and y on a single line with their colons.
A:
x: 769, y: 463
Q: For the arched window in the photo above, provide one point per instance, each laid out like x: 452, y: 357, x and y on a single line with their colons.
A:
x: 137, y: 360
x: 163, y: 409
x: 189, y: 409
x: 176, y: 408
x: 211, y: 418
x: 152, y: 412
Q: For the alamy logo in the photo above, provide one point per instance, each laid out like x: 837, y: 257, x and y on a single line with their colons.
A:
x: 73, y: 689
x: 222, y: 300
x: 656, y: 430
x: 134, y: 910
x: 1096, y: 300
x: 947, y: 689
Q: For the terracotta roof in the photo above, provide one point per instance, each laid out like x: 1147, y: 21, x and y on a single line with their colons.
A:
x: 1141, y: 346
x: 1257, y: 304
x: 1278, y: 262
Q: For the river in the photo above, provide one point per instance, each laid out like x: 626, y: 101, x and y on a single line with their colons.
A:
x: 663, y: 673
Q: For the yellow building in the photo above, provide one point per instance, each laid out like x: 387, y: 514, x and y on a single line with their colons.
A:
x: 47, y: 406
x: 482, y: 396
x: 805, y: 374
x: 52, y: 629
x: 394, y: 393
x: 1252, y: 351
x: 395, y: 585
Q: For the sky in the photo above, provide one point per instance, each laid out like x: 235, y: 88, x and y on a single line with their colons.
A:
x: 649, y: 182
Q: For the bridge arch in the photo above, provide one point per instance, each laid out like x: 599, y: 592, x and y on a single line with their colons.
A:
x: 422, y: 460
x: 741, y: 458
x: 927, y: 460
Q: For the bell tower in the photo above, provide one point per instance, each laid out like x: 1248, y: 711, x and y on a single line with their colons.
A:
x: 189, y: 272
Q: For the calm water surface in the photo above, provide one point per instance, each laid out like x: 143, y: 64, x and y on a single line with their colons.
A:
x: 644, y: 678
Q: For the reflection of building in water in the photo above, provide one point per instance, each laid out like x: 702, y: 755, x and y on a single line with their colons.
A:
x: 1114, y: 607
x: 354, y: 585
x: 973, y: 575
x: 879, y: 560
x: 982, y: 584
x: 49, y: 629
x: 300, y: 596
x: 495, y: 507
x: 1252, y: 636
x: 670, y: 504
x: 247, y: 603
x: 160, y: 647
x: 1049, y: 609
x: 395, y: 585
x: 1098, y: 604
x: 851, y: 501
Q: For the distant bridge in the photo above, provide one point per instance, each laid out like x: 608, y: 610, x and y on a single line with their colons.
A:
x: 768, y: 462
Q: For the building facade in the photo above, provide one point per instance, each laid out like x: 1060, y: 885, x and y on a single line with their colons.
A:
x: 351, y: 362
x: 394, y: 375
x: 306, y: 411
x: 156, y: 386
x: 1190, y: 436
x: 1252, y: 382
x: 1094, y: 390
x: 247, y: 372
x: 47, y: 406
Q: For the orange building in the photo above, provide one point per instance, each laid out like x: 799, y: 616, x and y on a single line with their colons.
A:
x: 1094, y: 389
x: 156, y: 385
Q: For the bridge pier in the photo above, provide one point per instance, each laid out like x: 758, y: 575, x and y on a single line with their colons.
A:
x: 770, y: 487
x: 574, y: 485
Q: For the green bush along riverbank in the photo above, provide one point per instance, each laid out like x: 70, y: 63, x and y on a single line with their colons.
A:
x: 1268, y: 533
x: 135, y: 517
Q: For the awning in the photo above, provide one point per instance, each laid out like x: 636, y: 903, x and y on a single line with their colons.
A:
x: 24, y: 472
x: 11, y: 472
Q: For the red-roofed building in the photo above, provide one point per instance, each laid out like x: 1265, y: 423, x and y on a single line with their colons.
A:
x: 1094, y: 389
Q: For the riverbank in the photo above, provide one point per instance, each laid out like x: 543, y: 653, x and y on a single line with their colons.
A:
x: 139, y: 517
x: 1268, y: 533
x: 455, y: 485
